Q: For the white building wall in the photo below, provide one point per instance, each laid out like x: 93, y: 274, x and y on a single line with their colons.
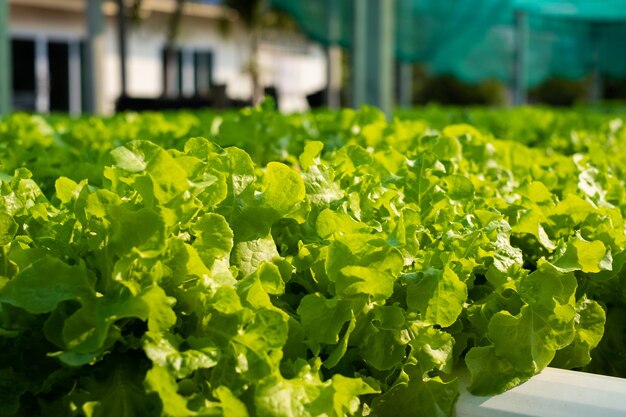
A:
x: 294, y: 72
x: 111, y: 75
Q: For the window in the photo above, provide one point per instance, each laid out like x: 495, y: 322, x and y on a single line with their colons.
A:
x: 24, y: 81
x: 190, y: 73
x: 203, y: 72
x: 172, y: 75
x: 59, y: 69
x: 46, y: 75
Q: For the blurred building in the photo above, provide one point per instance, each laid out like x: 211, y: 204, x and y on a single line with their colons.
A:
x: 48, y: 40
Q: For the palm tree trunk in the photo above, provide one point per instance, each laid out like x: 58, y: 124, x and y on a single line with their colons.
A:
x: 135, y: 9
x: 122, y: 43
x: 255, y: 70
x: 170, y: 87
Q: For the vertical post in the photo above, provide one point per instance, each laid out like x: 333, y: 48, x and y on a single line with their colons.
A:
x: 359, y: 53
x: 373, y: 50
x: 520, y: 66
x: 386, y: 54
x: 406, y: 84
x: 333, y: 56
x: 188, y: 73
x: 94, y: 65
x: 171, y: 68
x: 333, y: 93
x: 595, y: 91
x: 202, y: 63
x: 42, y: 75
x: 5, y: 59
x: 121, y: 42
x: 170, y: 78
x: 75, y: 78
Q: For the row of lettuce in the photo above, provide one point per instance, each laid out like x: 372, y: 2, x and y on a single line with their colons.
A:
x: 323, y: 264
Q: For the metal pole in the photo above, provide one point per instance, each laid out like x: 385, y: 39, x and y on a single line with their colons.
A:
x: 42, y: 75
x: 333, y: 56
x: 95, y: 49
x: 521, y: 44
x: 75, y: 78
x: 359, y: 53
x: 406, y: 84
x: 5, y: 59
x: 188, y: 84
x: 373, y: 51
x: 333, y: 93
x: 595, y: 92
x: 121, y: 29
x: 171, y: 72
x: 386, y: 56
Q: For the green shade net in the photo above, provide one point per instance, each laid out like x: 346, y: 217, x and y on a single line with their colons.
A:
x: 475, y: 39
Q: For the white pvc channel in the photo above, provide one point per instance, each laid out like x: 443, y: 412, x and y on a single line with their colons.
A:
x: 552, y: 393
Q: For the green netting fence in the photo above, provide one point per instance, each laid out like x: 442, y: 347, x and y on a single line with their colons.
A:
x: 475, y: 40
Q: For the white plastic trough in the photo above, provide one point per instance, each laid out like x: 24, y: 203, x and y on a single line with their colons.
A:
x: 552, y: 393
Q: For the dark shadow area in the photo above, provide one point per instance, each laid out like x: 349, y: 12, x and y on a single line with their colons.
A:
x: 58, y: 58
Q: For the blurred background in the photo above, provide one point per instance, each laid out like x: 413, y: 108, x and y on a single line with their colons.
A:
x: 100, y: 56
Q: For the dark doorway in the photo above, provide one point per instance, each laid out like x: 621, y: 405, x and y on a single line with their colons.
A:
x: 58, y: 58
x: 178, y: 69
x: 24, y: 81
x: 203, y: 70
